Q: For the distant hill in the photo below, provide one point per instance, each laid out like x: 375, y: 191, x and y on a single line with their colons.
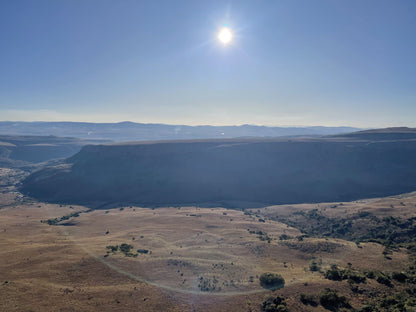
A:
x: 129, y: 131
x: 17, y: 151
x: 231, y: 172
x: 396, y: 133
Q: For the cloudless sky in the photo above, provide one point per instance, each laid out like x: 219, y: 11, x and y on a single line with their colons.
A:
x: 323, y: 62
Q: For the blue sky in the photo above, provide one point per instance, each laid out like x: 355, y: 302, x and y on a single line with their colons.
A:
x: 322, y: 62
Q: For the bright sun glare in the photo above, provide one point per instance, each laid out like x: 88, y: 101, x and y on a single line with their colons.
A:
x: 225, y: 35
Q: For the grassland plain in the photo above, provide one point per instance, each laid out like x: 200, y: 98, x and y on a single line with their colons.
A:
x: 193, y: 258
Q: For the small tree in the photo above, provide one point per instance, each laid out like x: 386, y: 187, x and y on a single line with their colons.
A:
x: 272, y: 281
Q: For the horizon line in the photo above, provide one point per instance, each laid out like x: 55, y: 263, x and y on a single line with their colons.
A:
x: 197, y: 125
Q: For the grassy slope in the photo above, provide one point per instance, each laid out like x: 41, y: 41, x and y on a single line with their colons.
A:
x: 51, y: 268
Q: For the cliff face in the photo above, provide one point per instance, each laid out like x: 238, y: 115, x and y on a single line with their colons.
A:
x: 229, y: 172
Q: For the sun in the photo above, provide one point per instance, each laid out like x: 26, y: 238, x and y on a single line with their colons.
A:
x: 225, y: 35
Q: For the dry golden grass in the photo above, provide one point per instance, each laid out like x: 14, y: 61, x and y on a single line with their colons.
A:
x: 63, y: 268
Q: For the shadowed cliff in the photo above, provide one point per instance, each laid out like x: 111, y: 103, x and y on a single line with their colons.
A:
x: 230, y: 172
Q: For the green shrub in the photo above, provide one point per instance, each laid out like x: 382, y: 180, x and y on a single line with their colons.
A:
x: 206, y: 284
x: 334, y: 273
x: 55, y: 221
x: 330, y: 300
x: 125, y: 248
x: 143, y: 251
x: 354, y: 276
x: 284, y: 237
x: 314, y: 267
x: 308, y: 299
x: 370, y: 274
x: 400, y: 277
x: 52, y: 221
x: 383, y: 279
x: 272, y: 281
x: 274, y: 304
x: 112, y: 248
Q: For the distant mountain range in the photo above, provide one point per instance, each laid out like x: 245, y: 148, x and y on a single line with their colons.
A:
x: 130, y: 131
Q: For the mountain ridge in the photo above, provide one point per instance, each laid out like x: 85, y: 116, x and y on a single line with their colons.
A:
x: 130, y: 131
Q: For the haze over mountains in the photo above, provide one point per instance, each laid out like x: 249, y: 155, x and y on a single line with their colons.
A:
x: 16, y: 151
x: 130, y: 131
x: 234, y: 171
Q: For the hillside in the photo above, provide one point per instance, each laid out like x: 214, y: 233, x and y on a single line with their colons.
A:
x: 234, y: 172
x: 396, y: 133
x: 17, y: 151
x: 56, y: 257
x: 130, y: 131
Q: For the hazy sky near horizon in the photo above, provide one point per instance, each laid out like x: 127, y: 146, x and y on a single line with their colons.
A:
x: 322, y: 62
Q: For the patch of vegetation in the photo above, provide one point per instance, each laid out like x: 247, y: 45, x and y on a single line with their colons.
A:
x: 112, y: 248
x: 271, y: 281
x: 331, y: 300
x: 401, y: 301
x: 206, y: 284
x: 123, y: 248
x: 362, y: 227
x: 308, y: 300
x: 56, y: 221
x: 314, y: 266
x: 311, y: 247
x: 284, y: 237
x: 337, y: 274
x: 263, y: 236
x: 399, y: 277
x: 383, y: 279
x: 274, y: 304
x: 394, y: 233
x: 143, y: 251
